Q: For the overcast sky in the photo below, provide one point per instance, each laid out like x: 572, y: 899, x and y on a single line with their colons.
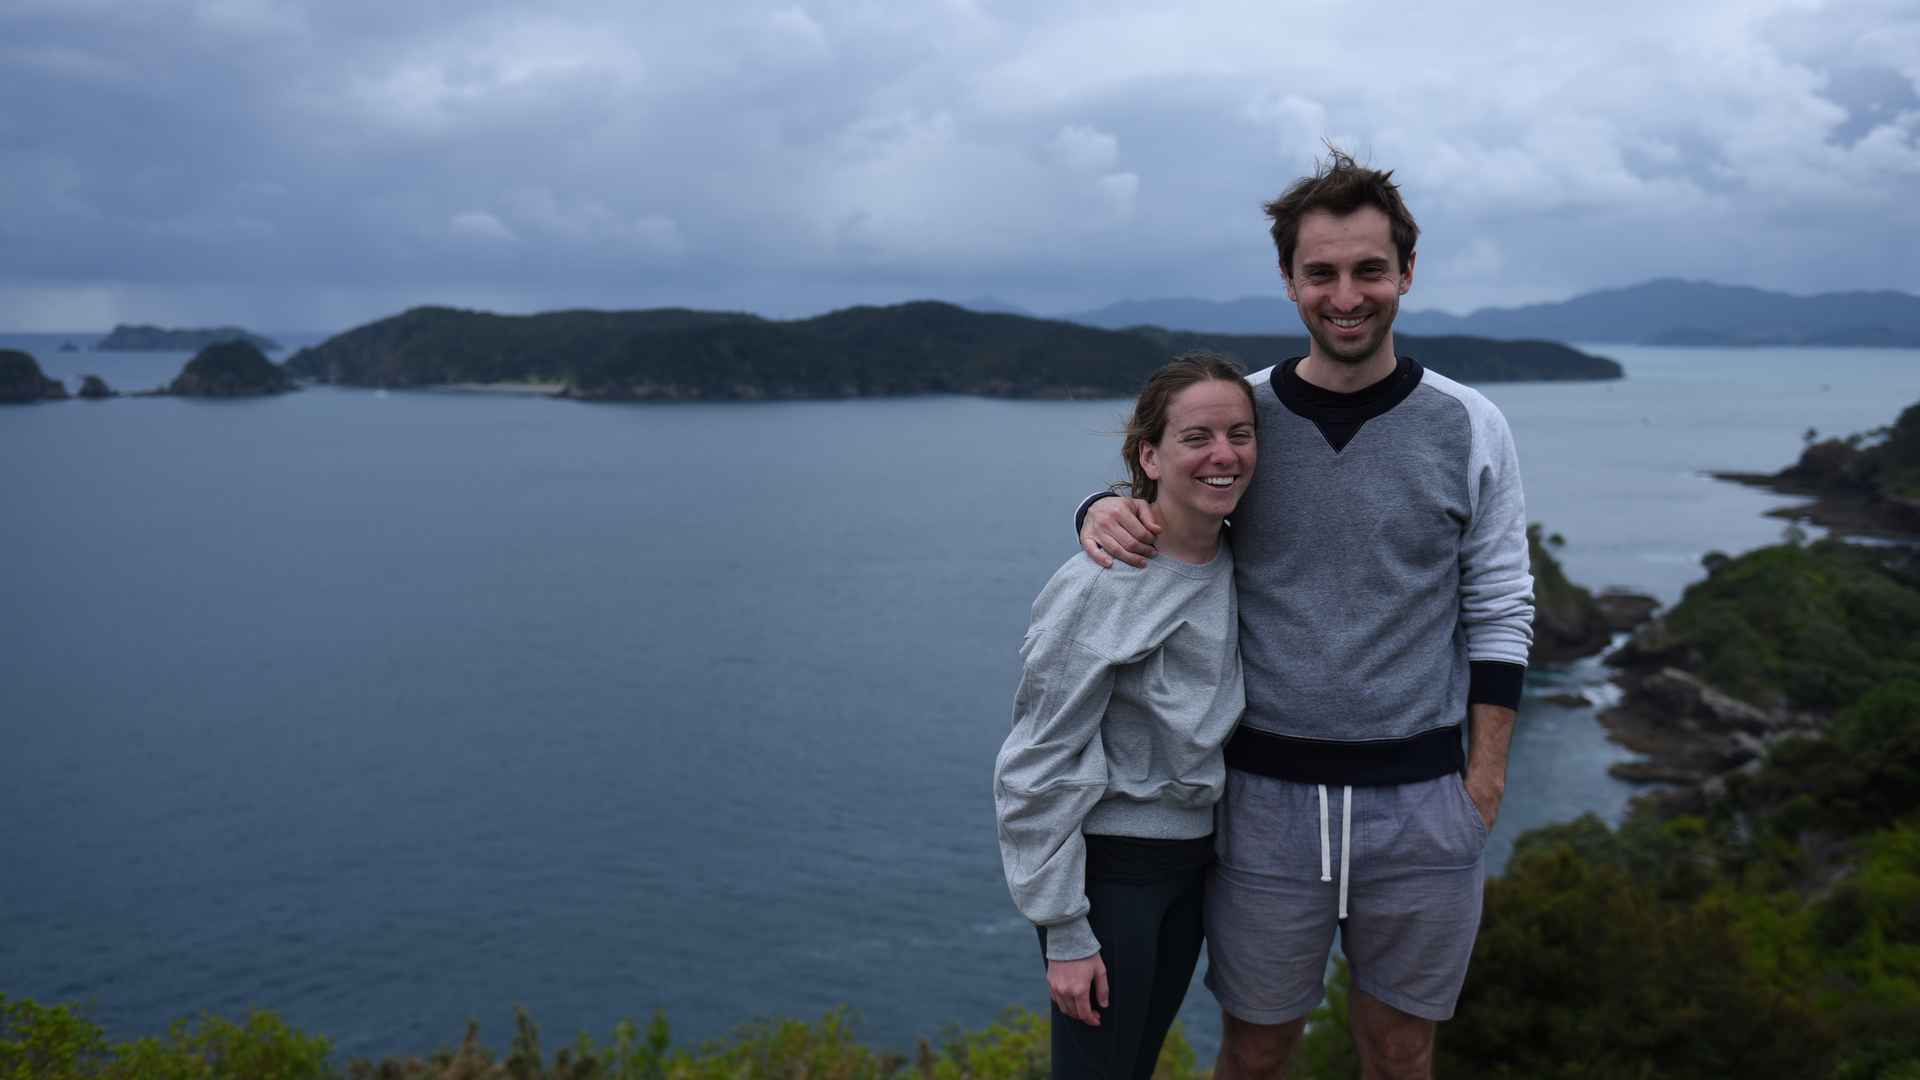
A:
x: 312, y: 165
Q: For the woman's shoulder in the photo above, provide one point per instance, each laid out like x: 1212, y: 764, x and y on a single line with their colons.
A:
x: 1123, y: 601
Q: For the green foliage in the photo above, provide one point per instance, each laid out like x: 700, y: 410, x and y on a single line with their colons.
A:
x: 38, y: 1042
x: 1813, y: 626
x: 264, y: 1048
x: 1581, y: 970
x: 53, y: 1043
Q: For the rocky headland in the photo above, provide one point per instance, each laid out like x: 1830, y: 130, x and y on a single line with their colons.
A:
x: 143, y: 338
x: 1867, y: 483
x: 1772, y: 644
x: 230, y: 369
x: 22, y: 381
x: 1569, y: 621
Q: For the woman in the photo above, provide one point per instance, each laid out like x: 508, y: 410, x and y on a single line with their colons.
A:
x: 1105, y: 788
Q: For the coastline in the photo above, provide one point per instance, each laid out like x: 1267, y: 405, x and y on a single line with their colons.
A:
x: 539, y: 389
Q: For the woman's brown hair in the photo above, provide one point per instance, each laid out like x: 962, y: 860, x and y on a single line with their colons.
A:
x: 1149, y: 420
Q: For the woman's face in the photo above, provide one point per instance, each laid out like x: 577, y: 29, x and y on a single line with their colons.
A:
x: 1203, y: 461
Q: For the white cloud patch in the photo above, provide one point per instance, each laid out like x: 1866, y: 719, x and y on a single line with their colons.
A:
x: 1086, y: 149
x: 794, y: 28
x: 479, y: 225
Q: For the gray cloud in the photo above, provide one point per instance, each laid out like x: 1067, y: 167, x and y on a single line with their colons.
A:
x: 295, y: 164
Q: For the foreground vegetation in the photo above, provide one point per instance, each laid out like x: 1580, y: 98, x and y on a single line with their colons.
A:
x: 55, y: 1044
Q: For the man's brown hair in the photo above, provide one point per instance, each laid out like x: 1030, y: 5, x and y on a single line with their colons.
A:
x: 1340, y: 186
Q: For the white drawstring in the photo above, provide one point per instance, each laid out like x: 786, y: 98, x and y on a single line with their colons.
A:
x: 1346, y: 842
x: 1326, y: 866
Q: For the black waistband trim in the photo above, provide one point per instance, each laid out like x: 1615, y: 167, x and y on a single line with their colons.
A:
x: 1322, y: 761
x: 1141, y: 860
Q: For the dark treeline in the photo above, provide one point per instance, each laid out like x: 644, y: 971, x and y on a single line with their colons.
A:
x: 916, y: 348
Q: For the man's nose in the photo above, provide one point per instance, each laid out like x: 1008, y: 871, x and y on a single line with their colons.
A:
x: 1346, y: 293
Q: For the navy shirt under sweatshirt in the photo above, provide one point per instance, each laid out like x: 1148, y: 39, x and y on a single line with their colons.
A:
x: 1380, y: 557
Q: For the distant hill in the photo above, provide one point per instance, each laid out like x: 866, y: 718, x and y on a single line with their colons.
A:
x: 993, y: 305
x: 1247, y: 315
x: 1663, y: 312
x: 917, y: 348
x: 141, y: 338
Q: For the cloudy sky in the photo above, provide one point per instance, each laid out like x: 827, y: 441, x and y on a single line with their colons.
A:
x: 311, y: 165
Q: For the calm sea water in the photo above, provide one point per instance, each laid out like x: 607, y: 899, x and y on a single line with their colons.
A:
x: 390, y: 710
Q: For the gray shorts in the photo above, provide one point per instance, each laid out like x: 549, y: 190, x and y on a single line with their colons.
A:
x: 1413, y: 877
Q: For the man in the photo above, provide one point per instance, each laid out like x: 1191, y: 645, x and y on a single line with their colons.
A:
x: 1381, y: 564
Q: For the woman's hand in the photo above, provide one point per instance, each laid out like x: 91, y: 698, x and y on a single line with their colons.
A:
x: 1075, y: 985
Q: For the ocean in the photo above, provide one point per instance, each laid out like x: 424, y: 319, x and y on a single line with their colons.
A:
x: 388, y: 710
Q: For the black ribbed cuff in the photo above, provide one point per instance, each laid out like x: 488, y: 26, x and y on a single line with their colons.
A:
x: 1080, y: 515
x: 1496, y: 682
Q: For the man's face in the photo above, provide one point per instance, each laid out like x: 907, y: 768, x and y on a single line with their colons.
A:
x: 1347, y: 280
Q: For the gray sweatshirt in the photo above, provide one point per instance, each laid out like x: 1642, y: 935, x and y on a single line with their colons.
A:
x: 1131, y: 686
x: 1383, y: 577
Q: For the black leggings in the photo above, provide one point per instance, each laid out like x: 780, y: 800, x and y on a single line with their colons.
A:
x: 1145, y: 898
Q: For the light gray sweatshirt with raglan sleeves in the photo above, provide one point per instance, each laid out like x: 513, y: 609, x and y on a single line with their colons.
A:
x: 1130, y: 687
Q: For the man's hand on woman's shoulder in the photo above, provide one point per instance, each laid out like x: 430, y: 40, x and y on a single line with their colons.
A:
x: 1120, y: 528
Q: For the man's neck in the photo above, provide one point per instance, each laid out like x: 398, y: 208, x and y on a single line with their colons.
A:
x: 1345, y: 378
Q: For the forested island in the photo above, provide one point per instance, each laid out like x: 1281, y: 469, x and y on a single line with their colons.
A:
x: 230, y: 369
x: 143, y: 338
x: 22, y: 381
x: 923, y: 347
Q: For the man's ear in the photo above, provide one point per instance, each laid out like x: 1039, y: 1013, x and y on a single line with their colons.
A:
x: 1288, y: 278
x: 1406, y: 276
